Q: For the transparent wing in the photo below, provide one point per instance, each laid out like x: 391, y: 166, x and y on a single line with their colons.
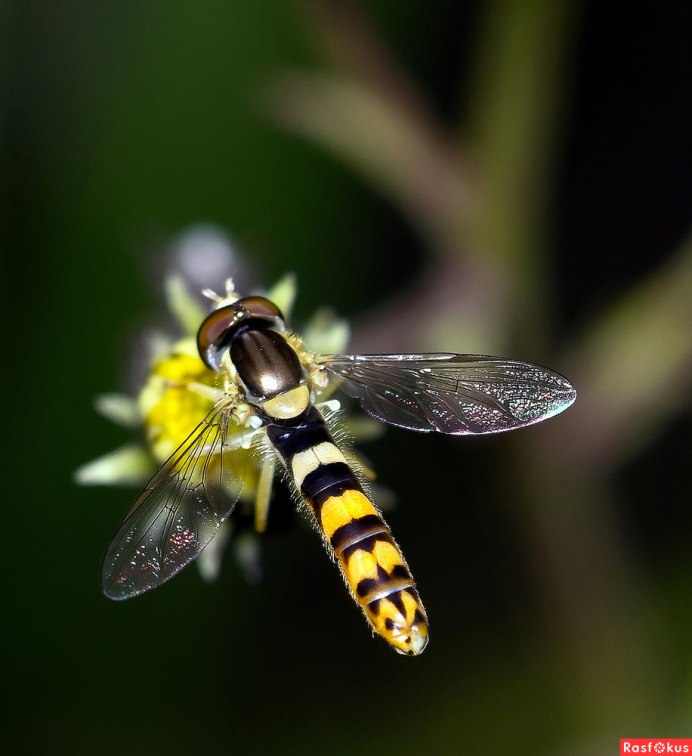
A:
x: 459, y: 394
x: 179, y: 511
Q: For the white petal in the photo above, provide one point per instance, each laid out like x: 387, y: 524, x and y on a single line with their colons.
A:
x: 127, y: 466
x: 119, y: 408
x: 183, y: 306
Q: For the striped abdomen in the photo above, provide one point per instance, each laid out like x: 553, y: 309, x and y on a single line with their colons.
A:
x: 370, y: 560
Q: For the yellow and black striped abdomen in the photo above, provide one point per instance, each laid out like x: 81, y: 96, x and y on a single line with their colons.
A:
x: 371, y: 562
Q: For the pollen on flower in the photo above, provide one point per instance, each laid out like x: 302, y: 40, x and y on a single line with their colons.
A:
x: 169, y: 408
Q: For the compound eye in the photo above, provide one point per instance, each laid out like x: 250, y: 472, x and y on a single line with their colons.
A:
x: 260, y: 307
x: 217, y: 331
x: 210, y: 337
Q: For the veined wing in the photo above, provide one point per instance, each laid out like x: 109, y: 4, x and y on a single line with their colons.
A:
x: 179, y: 511
x: 459, y: 394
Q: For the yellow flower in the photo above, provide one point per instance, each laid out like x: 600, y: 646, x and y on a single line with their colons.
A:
x: 172, y: 402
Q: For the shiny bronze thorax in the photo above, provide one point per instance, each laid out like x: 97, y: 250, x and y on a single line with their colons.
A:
x: 266, y: 363
x: 268, y: 368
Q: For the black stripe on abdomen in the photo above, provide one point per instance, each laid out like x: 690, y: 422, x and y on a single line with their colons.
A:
x: 290, y: 440
x: 356, y: 531
x: 326, y: 481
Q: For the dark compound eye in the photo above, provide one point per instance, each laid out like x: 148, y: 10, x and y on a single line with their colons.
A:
x: 218, y: 328
x: 260, y: 307
x: 212, y: 331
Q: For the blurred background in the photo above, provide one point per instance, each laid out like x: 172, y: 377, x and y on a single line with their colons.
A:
x: 507, y: 177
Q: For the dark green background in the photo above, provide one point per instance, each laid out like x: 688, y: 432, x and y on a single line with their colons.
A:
x: 128, y: 121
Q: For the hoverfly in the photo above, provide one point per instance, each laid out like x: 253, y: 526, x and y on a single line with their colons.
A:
x: 271, y: 400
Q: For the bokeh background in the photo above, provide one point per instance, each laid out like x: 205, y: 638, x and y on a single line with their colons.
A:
x: 505, y: 177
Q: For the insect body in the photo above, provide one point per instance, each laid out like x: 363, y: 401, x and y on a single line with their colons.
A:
x: 370, y: 560
x: 269, y: 402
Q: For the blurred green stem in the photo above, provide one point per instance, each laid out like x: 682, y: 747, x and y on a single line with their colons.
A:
x: 511, y: 127
x: 398, y: 156
x: 633, y: 367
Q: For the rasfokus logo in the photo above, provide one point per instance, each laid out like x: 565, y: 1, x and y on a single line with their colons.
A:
x: 655, y: 745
